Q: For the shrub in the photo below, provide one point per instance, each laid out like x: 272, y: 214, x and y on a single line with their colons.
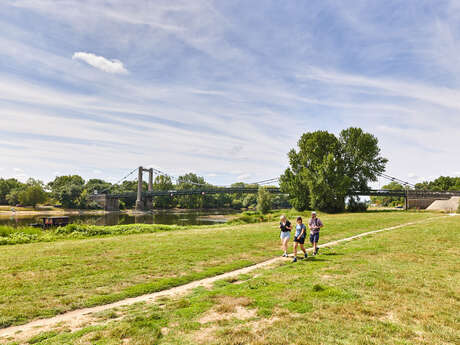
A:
x: 356, y: 206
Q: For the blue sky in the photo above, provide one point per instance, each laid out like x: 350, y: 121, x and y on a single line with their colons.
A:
x: 224, y: 88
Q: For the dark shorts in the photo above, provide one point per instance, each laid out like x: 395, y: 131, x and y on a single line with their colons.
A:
x: 301, y: 240
x: 314, y: 238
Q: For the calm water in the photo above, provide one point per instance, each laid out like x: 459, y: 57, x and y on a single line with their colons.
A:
x: 167, y: 217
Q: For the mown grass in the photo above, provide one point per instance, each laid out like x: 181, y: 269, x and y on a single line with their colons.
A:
x: 398, y: 287
x: 25, y: 234
x: 45, y: 279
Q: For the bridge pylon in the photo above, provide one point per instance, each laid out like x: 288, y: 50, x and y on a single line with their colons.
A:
x: 144, y: 203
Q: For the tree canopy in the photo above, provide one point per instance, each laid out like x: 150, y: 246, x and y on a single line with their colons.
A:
x: 326, y: 169
x: 442, y: 183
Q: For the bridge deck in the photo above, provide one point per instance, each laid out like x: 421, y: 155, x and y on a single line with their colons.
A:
x: 371, y: 192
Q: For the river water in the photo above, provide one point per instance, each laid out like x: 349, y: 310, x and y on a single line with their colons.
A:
x: 158, y: 217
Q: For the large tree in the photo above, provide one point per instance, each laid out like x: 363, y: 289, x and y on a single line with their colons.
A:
x: 264, y: 200
x: 326, y: 169
x: 97, y: 185
x: 162, y: 183
x: 32, y: 195
x: 187, y: 182
x: 7, y: 186
x: 361, y: 155
x: 67, y: 190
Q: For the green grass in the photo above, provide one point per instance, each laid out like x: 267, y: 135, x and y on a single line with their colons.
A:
x: 45, y: 279
x: 398, y: 287
x: 20, y: 235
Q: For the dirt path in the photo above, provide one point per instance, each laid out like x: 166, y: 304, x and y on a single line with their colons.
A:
x: 80, y: 318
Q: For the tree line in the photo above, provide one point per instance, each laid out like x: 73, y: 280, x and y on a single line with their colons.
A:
x: 441, y: 184
x: 323, y: 172
x: 73, y: 192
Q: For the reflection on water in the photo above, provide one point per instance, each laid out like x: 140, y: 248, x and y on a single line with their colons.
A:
x: 167, y: 217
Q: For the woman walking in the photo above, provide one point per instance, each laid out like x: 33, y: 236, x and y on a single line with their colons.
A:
x: 300, y: 235
x: 285, y: 234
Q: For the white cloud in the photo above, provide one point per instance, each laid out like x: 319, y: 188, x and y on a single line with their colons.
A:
x: 211, y: 175
x: 100, y: 62
x: 243, y: 177
x: 21, y: 177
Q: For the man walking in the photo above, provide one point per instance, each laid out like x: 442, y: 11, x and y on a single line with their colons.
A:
x: 315, y: 224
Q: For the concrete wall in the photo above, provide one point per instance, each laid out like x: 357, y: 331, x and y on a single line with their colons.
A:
x: 421, y: 203
x: 111, y: 204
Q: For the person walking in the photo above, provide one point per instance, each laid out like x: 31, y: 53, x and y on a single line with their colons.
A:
x: 285, y: 234
x: 300, y: 235
x: 315, y: 224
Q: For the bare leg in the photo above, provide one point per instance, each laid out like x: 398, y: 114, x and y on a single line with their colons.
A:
x: 285, y: 244
x: 303, y: 248
x: 315, y: 247
x: 295, y: 249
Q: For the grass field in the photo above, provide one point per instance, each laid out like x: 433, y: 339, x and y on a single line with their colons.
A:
x: 45, y: 279
x: 398, y: 287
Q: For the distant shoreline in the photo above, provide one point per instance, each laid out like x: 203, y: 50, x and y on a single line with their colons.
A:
x: 71, y: 212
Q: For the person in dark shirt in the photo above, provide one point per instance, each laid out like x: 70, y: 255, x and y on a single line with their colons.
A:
x: 299, y: 238
x: 285, y: 234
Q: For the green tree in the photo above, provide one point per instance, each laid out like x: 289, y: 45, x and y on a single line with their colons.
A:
x: 162, y: 183
x: 97, y: 185
x: 281, y: 201
x: 361, y: 156
x: 295, y: 185
x: 442, y: 183
x: 6, y: 187
x: 32, y: 195
x: 191, y: 181
x: 264, y: 200
x: 13, y: 196
x: 67, y: 190
x: 250, y: 200
x: 389, y: 200
x: 325, y: 169
x: 318, y: 168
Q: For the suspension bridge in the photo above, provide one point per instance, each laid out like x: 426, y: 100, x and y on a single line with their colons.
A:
x: 144, y: 199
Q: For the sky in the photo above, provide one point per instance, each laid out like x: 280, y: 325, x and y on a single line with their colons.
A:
x: 224, y: 88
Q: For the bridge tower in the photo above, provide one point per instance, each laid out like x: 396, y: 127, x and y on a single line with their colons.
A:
x: 144, y: 203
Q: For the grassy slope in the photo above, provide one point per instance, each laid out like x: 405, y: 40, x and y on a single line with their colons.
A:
x: 43, y: 279
x: 398, y: 287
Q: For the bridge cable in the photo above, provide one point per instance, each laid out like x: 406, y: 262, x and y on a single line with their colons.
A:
x: 121, y: 180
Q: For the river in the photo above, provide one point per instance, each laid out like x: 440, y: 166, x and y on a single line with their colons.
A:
x: 157, y: 217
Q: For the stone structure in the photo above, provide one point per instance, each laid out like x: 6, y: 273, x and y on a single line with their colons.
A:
x: 420, y: 203
x: 144, y: 203
x: 107, y: 202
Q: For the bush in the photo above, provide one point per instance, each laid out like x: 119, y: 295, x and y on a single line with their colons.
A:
x: 264, y: 200
x: 356, y: 206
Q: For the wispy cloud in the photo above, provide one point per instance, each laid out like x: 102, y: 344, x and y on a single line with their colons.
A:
x: 100, y: 62
x: 224, y: 88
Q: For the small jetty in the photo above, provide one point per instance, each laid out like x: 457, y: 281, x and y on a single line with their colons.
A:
x: 50, y: 222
